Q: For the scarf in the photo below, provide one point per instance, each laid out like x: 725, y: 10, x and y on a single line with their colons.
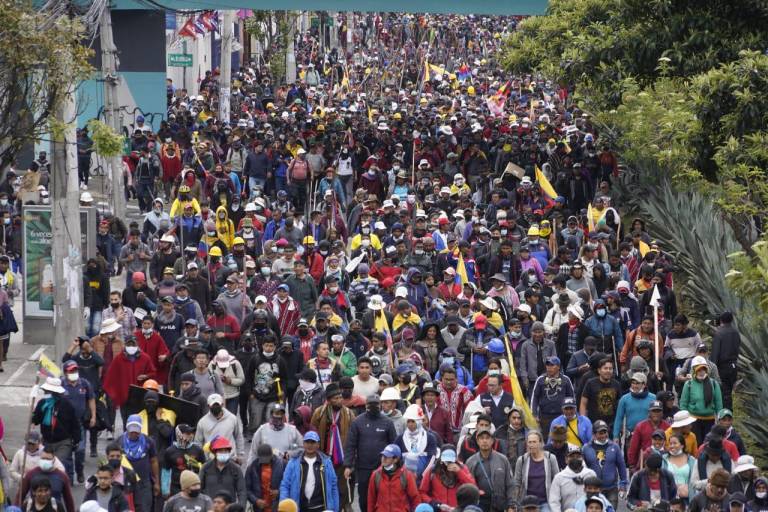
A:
x: 341, y: 299
x: 399, y: 321
x: 47, y: 406
x: 134, y: 450
x: 380, y: 323
x: 415, y: 446
x: 334, y: 440
x: 708, y: 391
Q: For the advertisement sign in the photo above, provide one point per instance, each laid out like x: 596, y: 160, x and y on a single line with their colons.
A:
x: 38, y: 262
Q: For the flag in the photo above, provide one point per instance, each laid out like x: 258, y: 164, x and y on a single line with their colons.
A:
x: 464, y: 72
x: 517, y: 392
x: 206, y: 20
x: 655, y: 296
x: 505, y: 90
x: 495, y: 105
x: 370, y: 114
x: 532, y: 115
x: 643, y: 248
x: 48, y: 368
x: 188, y: 30
x: 590, y: 214
x: 426, y: 70
x: 544, y: 183
x: 199, y: 26
x: 461, y: 271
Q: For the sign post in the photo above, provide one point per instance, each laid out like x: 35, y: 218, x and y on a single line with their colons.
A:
x: 180, y: 60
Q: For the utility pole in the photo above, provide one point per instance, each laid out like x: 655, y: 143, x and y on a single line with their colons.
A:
x: 290, y: 50
x: 350, y: 30
x: 225, y: 78
x: 111, y: 108
x: 66, y: 250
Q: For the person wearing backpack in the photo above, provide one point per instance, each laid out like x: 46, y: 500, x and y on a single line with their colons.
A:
x: 298, y: 173
x: 392, y: 487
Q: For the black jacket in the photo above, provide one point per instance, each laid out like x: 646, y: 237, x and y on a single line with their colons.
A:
x: 253, y: 479
x: 117, y: 503
x: 726, y: 344
x: 64, y: 424
x: 366, y: 439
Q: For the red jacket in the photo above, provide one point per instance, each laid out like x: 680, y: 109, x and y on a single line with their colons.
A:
x: 123, y: 372
x: 391, y: 495
x: 434, y: 492
x: 641, y: 439
x: 440, y: 423
x: 155, y: 347
x: 228, y: 325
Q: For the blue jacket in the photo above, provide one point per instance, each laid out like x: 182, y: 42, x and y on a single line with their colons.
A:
x: 421, y: 460
x: 462, y: 375
x: 583, y: 426
x: 606, y: 327
x: 290, y: 487
x: 633, y: 409
x: 609, y: 468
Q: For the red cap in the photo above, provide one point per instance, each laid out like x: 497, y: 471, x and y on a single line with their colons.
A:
x: 442, y: 221
x: 138, y: 276
x: 481, y: 321
x: 221, y: 443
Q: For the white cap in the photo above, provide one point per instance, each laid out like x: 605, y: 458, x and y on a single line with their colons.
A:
x: 86, y: 197
x: 388, y: 204
x: 380, y: 225
x: 260, y: 298
x: 401, y: 292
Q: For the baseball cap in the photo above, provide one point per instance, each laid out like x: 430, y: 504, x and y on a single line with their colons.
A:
x: 391, y: 450
x: 215, y: 399
x: 569, y: 402
x: 656, y: 405
x: 553, y: 360
x: 311, y: 436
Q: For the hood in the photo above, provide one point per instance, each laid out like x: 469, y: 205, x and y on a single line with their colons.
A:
x: 305, y: 412
x: 158, y: 200
x: 412, y: 272
x: 218, y: 211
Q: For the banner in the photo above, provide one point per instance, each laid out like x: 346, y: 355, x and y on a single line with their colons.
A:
x: 38, y: 258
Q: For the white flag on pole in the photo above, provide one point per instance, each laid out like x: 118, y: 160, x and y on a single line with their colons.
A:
x: 655, y: 297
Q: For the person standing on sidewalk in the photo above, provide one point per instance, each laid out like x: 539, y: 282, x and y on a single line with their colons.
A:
x: 726, y: 346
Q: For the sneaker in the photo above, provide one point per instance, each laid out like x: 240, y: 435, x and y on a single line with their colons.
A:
x: 80, y: 477
x: 110, y: 435
x: 94, y: 454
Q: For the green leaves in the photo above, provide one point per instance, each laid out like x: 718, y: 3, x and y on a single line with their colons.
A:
x: 106, y: 142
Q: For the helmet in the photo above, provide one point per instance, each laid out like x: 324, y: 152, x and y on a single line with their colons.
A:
x: 496, y: 346
x: 183, y: 189
x: 397, y: 116
x: 699, y: 361
x: 533, y: 231
x: 413, y: 412
x: 221, y: 443
x: 270, y: 106
x: 471, y: 90
x: 308, y: 240
x: 86, y: 197
x: 390, y: 394
x: 238, y: 240
x: 151, y: 384
x: 215, y: 251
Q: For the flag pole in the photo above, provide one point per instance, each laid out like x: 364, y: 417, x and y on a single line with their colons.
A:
x: 655, y: 302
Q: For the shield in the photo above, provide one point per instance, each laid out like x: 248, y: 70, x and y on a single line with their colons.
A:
x: 186, y: 412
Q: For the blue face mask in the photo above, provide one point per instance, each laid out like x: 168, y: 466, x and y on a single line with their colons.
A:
x: 600, y: 313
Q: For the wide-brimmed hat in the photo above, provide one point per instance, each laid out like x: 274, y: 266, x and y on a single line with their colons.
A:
x: 53, y: 384
x: 109, y: 325
x: 682, y: 418
x: 376, y: 303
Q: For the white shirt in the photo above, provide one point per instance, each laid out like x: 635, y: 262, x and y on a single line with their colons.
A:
x: 309, y: 485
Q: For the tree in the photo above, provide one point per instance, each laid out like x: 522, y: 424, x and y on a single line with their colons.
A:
x: 34, y: 77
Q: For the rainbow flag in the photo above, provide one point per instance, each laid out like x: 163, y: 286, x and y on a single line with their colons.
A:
x: 544, y: 183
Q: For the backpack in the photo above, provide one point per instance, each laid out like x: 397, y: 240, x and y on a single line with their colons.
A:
x: 403, y: 480
x: 299, y: 172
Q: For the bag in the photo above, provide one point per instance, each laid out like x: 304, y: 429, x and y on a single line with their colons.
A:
x: 403, y: 480
x: 299, y: 172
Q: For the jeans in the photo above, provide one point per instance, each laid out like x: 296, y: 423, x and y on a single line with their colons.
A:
x: 94, y: 323
x: 363, y: 476
x: 232, y: 403
x: 145, y: 193
x: 79, y: 457
x: 257, y: 413
x: 62, y: 450
x: 299, y: 194
x: 142, y: 495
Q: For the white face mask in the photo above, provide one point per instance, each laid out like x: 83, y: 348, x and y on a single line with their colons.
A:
x: 305, y: 385
x: 268, y: 354
x: 45, y: 464
x: 761, y: 494
x: 223, y: 457
x: 146, y: 332
x: 131, y: 351
x: 73, y: 376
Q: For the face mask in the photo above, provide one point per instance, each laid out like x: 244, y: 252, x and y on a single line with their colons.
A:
x: 494, y: 372
x: 303, y: 331
x: 365, y: 243
x: 3, y: 202
x: 146, y: 332
x: 266, y: 271
x: 405, y: 379
x: 277, y: 422
x: 576, y: 465
x: 761, y: 494
x: 131, y: 351
x: 600, y: 443
x: 73, y: 376
x: 676, y: 452
x: 114, y: 463
x: 223, y: 457
x: 158, y: 210
x: 215, y: 409
x: 114, y: 305
x: 389, y: 467
x: 333, y: 289
x: 503, y: 232
x: 374, y: 410
x: 592, y: 494
x: 46, y: 464
x: 514, y: 334
x: 448, y: 360
x: 600, y: 313
x: 193, y: 493
x: 306, y: 385
x: 418, y: 252
x: 268, y: 354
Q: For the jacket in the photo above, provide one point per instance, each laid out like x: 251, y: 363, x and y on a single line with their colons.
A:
x: 608, y: 333
x: 124, y: 371
x: 435, y: 492
x: 64, y: 422
x: 521, y: 473
x: 229, y: 478
x: 417, y: 462
x: 291, y: 485
x: 565, y: 490
x: 499, y: 412
x: 641, y: 439
x: 497, y: 484
x: 386, y: 493
x: 639, y: 490
x: 608, y: 467
x: 548, y: 394
x: 117, y: 502
x: 367, y: 437
x: 229, y: 426
x: 253, y: 479
x: 583, y: 426
x: 633, y: 409
x: 304, y: 292
x: 692, y: 399
x: 440, y: 423
x: 528, y: 359
x: 235, y: 373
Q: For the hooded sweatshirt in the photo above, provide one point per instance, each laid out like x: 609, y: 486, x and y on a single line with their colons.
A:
x: 564, y: 491
x: 225, y: 228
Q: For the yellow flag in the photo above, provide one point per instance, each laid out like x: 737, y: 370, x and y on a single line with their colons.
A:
x: 48, y: 367
x: 590, y: 214
x: 643, y: 248
x: 461, y: 270
x: 544, y: 183
x: 517, y: 392
x: 370, y: 115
